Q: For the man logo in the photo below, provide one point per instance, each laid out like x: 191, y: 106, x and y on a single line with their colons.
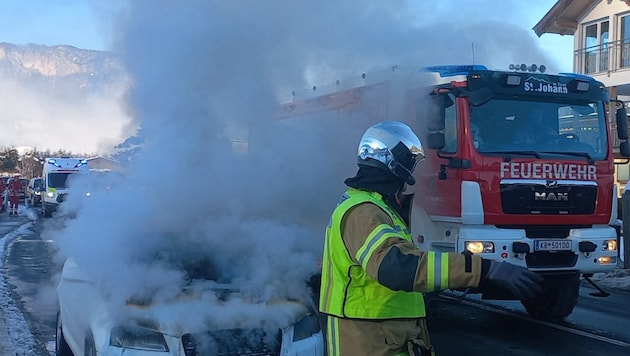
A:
x: 538, y: 196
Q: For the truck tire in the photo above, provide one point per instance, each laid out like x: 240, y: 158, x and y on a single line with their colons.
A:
x: 558, y: 299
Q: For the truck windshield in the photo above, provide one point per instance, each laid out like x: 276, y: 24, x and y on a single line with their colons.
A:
x: 504, y: 126
x: 58, y: 180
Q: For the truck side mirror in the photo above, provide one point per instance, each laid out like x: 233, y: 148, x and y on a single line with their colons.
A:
x: 435, y: 140
x: 624, y: 149
x: 622, y: 123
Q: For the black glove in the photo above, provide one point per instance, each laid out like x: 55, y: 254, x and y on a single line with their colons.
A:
x: 522, y: 282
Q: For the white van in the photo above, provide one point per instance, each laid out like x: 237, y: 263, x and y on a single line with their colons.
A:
x: 55, y: 175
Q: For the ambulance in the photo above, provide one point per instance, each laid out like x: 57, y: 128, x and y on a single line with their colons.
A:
x: 55, y: 178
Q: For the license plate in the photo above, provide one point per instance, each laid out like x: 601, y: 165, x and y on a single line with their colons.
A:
x: 552, y: 245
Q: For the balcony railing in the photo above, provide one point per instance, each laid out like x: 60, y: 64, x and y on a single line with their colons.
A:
x: 607, y: 57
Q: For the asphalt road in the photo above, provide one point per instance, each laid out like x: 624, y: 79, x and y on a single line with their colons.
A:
x: 598, y: 326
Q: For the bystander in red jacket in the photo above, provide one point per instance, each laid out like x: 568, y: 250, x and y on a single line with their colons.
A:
x: 2, y: 189
x: 14, y: 194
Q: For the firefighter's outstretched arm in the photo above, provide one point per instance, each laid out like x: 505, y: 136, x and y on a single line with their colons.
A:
x: 399, y: 265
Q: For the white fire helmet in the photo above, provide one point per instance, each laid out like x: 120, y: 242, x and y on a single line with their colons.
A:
x: 391, y: 144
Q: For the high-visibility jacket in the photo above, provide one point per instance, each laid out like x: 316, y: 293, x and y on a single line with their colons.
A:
x: 347, y: 290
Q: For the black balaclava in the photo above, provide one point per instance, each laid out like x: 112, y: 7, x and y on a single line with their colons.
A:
x: 379, y: 180
x: 376, y: 179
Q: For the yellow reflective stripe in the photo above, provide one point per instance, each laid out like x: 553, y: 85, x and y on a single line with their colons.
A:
x: 368, y: 247
x: 437, y: 271
x: 332, y: 336
x: 430, y: 271
x: 327, y: 298
x: 444, y: 262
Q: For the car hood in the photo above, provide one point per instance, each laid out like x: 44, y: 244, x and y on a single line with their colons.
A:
x: 205, y: 307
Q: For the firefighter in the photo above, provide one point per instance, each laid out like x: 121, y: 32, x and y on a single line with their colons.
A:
x: 14, y: 194
x: 373, y: 275
x: 2, y: 189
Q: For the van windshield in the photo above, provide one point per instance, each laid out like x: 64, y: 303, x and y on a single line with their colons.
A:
x: 58, y: 180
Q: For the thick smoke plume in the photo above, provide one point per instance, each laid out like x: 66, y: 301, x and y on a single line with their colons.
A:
x: 207, y: 73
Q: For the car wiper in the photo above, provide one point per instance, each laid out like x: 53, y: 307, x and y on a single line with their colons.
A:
x: 575, y: 154
x: 521, y: 153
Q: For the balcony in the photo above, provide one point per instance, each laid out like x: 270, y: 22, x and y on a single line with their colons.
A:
x: 608, y: 63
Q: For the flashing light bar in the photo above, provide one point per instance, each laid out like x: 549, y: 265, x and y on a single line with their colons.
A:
x: 525, y: 68
x: 453, y: 70
x: 56, y: 164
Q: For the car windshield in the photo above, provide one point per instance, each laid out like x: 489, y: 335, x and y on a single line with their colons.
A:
x: 505, y: 126
x: 37, y: 183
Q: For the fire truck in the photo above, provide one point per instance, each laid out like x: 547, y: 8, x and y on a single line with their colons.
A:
x: 519, y: 165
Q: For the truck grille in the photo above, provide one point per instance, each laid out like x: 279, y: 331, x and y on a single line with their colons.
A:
x: 532, y: 197
x: 232, y: 342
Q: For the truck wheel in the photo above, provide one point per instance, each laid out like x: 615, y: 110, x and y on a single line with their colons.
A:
x: 61, y: 346
x: 558, y: 299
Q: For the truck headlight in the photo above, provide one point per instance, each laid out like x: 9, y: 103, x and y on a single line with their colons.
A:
x: 610, y: 245
x: 479, y: 246
x: 607, y: 260
x: 137, y: 338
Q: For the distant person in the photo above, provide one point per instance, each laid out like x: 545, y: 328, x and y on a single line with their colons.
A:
x: 14, y: 194
x: 2, y: 190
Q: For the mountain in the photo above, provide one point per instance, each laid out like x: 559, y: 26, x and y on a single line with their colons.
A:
x: 61, y: 66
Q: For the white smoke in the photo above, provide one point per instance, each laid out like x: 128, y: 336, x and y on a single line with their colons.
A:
x: 208, y: 72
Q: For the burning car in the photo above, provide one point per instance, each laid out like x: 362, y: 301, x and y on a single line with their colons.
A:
x: 88, y: 323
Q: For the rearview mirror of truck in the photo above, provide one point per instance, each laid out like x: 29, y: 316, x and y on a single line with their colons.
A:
x: 435, y: 140
x: 624, y: 149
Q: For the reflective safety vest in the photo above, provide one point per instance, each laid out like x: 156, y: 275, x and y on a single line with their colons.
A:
x: 347, y: 290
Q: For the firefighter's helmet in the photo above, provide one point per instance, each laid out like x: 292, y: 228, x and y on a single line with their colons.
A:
x: 391, y: 145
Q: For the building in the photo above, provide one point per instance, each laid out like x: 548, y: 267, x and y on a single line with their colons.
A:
x: 601, y: 45
x: 104, y: 164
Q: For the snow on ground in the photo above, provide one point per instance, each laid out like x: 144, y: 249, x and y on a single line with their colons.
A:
x: 20, y: 340
x: 617, y: 279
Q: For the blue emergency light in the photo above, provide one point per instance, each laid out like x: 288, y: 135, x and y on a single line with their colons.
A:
x: 453, y: 70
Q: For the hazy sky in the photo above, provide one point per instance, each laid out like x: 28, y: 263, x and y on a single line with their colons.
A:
x: 88, y: 23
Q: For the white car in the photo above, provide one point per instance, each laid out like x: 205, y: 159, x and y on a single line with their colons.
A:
x: 86, y: 325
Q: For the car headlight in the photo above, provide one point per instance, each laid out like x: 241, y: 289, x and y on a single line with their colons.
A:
x: 137, y: 338
x: 50, y: 194
x: 479, y: 246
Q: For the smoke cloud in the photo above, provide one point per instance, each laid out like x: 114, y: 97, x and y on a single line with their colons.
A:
x: 189, y: 209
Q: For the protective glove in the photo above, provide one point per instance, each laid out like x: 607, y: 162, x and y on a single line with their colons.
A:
x: 522, y: 282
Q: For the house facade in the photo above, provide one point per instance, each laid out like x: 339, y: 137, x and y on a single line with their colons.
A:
x: 601, y: 45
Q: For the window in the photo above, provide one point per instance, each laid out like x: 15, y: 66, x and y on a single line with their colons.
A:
x: 596, y: 43
x: 450, y: 127
x: 625, y: 42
